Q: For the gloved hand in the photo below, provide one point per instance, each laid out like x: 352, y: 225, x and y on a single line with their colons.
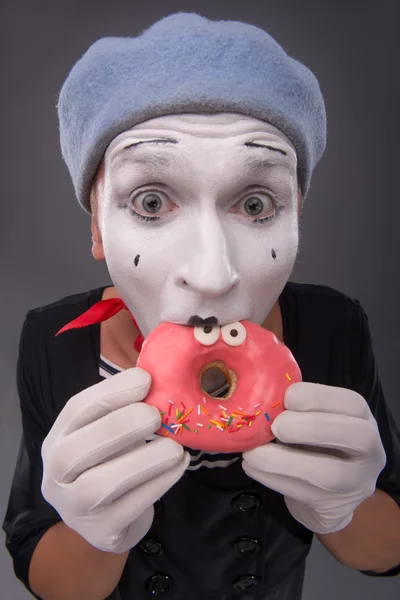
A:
x: 328, y: 456
x: 99, y: 473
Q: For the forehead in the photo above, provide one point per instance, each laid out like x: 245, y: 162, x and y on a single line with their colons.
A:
x: 229, y: 130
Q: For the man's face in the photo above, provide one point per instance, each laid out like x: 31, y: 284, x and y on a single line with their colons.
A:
x: 198, y: 216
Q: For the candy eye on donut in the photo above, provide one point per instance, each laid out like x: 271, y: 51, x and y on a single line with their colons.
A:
x: 207, y: 335
x: 233, y: 334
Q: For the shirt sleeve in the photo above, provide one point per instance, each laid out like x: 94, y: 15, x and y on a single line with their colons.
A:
x: 28, y: 515
x: 366, y: 381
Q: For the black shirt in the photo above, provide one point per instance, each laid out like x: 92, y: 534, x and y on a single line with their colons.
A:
x: 217, y: 534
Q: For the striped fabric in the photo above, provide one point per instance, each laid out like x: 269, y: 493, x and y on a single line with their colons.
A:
x: 198, y: 458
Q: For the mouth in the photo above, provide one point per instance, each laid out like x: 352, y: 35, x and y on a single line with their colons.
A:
x: 196, y: 321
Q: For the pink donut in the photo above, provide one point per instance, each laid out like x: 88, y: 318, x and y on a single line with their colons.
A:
x: 256, y: 365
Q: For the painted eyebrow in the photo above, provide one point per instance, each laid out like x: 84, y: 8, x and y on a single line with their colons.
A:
x: 255, y: 164
x: 156, y: 160
x: 252, y: 163
x: 256, y: 145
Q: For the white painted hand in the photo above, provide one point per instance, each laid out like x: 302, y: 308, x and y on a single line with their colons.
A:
x: 327, y: 458
x: 98, y: 471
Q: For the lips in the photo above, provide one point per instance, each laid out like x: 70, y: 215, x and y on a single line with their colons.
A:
x: 196, y: 321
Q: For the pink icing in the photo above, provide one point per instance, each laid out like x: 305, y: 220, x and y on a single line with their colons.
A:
x: 264, y: 368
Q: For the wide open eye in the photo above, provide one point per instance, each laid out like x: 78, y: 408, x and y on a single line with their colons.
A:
x: 233, y: 334
x: 206, y: 334
x: 151, y: 202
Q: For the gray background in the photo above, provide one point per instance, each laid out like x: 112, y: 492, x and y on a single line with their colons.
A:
x: 351, y: 219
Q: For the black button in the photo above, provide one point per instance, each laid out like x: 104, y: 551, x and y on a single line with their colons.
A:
x: 244, y: 583
x: 247, y: 544
x: 149, y: 546
x: 246, y: 502
x: 158, y: 584
x: 157, y: 507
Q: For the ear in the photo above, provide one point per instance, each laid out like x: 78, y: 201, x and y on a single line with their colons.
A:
x: 299, y: 202
x: 97, y: 242
x: 95, y: 199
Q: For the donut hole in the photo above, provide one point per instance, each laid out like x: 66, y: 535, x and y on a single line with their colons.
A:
x: 217, y: 381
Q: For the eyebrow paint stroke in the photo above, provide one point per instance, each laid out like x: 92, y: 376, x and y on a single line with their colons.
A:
x: 154, y: 159
x: 257, y: 145
x: 155, y: 141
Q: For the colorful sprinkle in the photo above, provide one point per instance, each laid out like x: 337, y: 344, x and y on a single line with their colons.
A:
x: 196, y: 431
x: 258, y: 413
x: 168, y: 427
x: 273, y: 406
x: 209, y: 427
x: 198, y: 409
x: 230, y: 421
x: 200, y: 424
x: 186, y: 427
x: 257, y: 405
x: 223, y: 407
x: 215, y: 423
x: 220, y: 428
x: 186, y: 415
x: 268, y: 417
x: 204, y: 410
x: 170, y: 401
x: 288, y: 376
x: 233, y: 430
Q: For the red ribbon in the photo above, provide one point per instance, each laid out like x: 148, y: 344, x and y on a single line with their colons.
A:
x: 101, y: 311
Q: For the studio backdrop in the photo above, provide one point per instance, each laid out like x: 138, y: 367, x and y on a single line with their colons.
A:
x: 350, y: 223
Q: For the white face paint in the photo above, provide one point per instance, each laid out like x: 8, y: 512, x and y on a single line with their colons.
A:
x: 198, y: 216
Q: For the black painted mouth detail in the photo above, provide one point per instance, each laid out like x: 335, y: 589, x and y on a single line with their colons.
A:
x: 196, y: 321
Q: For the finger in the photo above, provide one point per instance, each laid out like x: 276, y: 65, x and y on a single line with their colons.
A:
x: 100, y: 440
x: 322, y: 471
x: 302, y: 491
x: 126, y: 509
x: 92, y: 403
x: 106, y: 482
x: 352, y: 436
x: 316, y: 397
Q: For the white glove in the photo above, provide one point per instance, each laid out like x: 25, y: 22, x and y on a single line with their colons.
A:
x: 329, y: 456
x: 99, y: 473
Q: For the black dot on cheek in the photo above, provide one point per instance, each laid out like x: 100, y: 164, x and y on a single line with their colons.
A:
x: 136, y: 261
x: 273, y: 253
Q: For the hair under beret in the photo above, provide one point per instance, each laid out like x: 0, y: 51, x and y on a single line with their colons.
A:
x: 185, y: 63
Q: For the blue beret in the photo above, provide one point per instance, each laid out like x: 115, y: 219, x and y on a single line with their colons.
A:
x: 185, y: 63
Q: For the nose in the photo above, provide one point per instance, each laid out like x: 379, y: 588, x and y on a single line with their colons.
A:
x: 207, y: 268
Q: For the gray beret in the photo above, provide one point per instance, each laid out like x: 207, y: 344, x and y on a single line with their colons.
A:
x: 185, y: 63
